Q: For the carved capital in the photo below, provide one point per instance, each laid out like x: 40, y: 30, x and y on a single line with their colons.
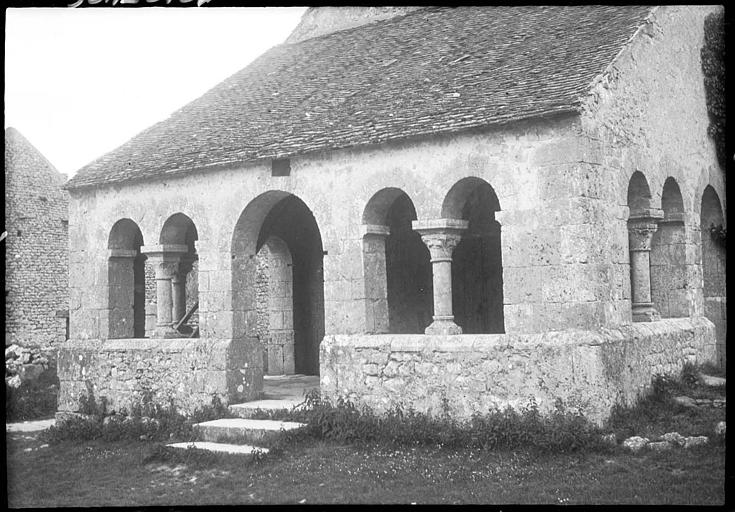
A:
x: 441, y: 245
x: 640, y: 233
x: 441, y: 236
x: 166, y: 269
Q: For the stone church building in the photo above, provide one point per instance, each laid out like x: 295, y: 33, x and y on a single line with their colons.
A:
x: 439, y: 207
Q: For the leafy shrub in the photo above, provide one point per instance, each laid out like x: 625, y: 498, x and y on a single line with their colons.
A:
x: 344, y: 422
x: 146, y: 420
x: 33, y: 400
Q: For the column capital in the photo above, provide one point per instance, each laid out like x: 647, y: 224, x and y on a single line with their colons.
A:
x: 641, y: 228
x: 441, y: 236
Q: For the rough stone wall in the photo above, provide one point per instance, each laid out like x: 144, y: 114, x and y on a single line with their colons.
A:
x: 36, y: 219
x: 588, y: 370
x: 135, y: 371
x: 647, y: 113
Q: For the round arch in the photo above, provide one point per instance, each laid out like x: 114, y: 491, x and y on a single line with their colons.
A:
x: 126, y: 281
x: 477, y: 268
x: 396, y: 266
x: 286, y: 216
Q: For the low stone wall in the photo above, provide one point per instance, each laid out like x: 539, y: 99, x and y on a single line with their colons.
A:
x: 132, y: 371
x: 587, y: 370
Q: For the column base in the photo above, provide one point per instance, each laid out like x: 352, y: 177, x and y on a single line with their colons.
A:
x: 444, y: 326
x: 645, y: 312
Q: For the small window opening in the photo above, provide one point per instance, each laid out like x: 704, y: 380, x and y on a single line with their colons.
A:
x: 20, y: 233
x: 65, y: 223
x: 281, y: 167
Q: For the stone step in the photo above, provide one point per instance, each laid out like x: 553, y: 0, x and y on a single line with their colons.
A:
x: 247, y: 430
x: 249, y: 409
x: 240, y: 449
x: 710, y: 380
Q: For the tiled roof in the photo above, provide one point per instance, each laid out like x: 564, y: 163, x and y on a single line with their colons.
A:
x: 434, y: 70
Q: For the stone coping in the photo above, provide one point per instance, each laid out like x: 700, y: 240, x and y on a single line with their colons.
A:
x: 147, y: 344
x: 474, y: 342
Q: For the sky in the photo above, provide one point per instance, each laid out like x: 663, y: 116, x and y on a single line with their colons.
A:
x: 81, y: 82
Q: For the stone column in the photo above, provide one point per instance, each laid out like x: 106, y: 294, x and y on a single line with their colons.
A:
x: 165, y: 260
x: 178, y: 281
x: 641, y: 227
x: 121, y: 280
x: 441, y: 236
x: 376, y: 284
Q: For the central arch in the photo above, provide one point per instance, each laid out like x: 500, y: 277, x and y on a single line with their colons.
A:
x: 477, y: 267
x: 284, y: 224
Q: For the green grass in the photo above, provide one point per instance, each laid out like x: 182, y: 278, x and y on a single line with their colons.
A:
x: 401, y: 460
x: 124, y: 474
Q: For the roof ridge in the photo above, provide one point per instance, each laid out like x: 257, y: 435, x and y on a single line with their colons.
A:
x: 421, y: 9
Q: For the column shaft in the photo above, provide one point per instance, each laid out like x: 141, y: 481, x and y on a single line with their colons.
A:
x: 640, y: 234
x: 441, y: 236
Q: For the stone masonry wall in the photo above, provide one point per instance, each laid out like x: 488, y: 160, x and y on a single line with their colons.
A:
x: 588, y: 370
x: 134, y: 371
x: 36, y: 271
x: 647, y: 113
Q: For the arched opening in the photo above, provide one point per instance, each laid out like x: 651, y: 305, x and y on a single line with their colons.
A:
x: 272, y: 215
x: 713, y: 268
x: 642, y: 224
x: 126, y: 281
x: 396, y: 266
x: 274, y: 295
x: 668, y: 256
x: 179, y: 229
x: 639, y: 194
x: 477, y: 267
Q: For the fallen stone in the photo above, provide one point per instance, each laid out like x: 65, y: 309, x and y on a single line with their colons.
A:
x: 635, y: 443
x: 660, y: 446
x: 685, y: 401
x: 692, y: 441
x: 220, y: 447
x: 13, y: 382
x: 709, y: 380
x: 610, y: 439
x: 721, y: 429
x: 674, y: 438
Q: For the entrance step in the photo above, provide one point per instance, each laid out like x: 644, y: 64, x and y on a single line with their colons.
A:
x: 249, y: 409
x: 242, y: 449
x: 251, y: 431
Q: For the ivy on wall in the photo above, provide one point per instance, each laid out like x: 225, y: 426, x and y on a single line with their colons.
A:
x: 713, y: 67
x: 718, y: 234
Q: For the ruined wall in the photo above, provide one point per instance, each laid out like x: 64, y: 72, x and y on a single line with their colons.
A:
x: 36, y: 219
x: 589, y: 371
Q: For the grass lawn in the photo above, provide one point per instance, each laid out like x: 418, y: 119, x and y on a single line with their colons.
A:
x: 117, y: 474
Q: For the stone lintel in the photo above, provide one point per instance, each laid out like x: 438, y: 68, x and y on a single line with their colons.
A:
x: 122, y: 253
x: 429, y: 226
x: 646, y: 215
x: 374, y: 229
